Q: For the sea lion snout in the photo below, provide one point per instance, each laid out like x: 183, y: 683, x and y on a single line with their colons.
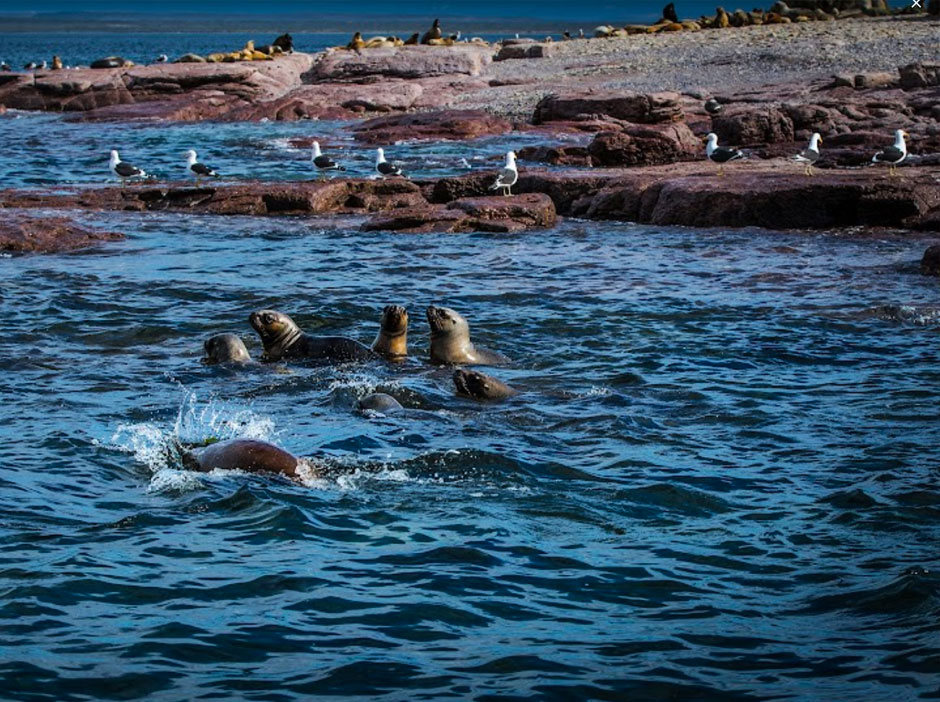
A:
x: 439, y: 317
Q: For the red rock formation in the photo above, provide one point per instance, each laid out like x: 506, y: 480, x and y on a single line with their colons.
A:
x: 25, y: 233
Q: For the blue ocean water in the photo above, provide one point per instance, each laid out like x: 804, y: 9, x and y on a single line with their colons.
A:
x: 718, y: 483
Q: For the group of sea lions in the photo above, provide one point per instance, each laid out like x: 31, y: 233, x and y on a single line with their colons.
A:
x: 433, y: 37
x: 283, y: 342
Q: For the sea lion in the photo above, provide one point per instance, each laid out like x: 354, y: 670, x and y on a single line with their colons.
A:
x: 225, y: 348
x: 249, y: 455
x: 479, y: 386
x: 110, y: 62
x: 56, y: 63
x: 380, y: 402
x: 433, y: 33
x: 392, y: 341
x: 413, y: 40
x: 356, y: 43
x: 283, y: 339
x: 450, y: 340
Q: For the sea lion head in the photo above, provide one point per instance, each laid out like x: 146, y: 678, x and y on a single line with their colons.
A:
x: 479, y: 386
x: 446, y: 322
x: 392, y: 341
x: 394, y: 320
x: 276, y: 329
x: 225, y: 348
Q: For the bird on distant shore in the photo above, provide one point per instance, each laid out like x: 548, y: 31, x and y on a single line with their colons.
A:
x: 162, y: 58
x: 810, y: 154
x: 507, y: 176
x: 4, y: 66
x: 720, y: 154
x: 384, y: 168
x: 893, y: 155
x: 198, y: 170
x: 713, y: 107
x: 123, y: 169
x: 323, y: 163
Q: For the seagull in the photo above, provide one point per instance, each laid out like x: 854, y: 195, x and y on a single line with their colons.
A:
x: 383, y: 167
x: 810, y: 154
x: 893, y: 155
x: 324, y: 163
x: 31, y: 66
x: 721, y: 154
x: 713, y: 107
x: 162, y: 58
x: 198, y: 170
x: 4, y: 66
x: 123, y: 169
x: 508, y: 175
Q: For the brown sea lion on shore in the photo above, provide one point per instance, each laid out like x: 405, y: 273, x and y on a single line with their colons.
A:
x: 434, y: 33
x: 283, y: 339
x: 480, y: 386
x: 250, y: 455
x: 392, y: 341
x: 450, y: 340
x: 413, y: 40
x: 225, y: 348
x: 356, y: 43
x: 56, y: 63
x: 111, y: 62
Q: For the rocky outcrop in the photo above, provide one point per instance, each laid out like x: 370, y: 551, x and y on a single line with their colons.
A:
x: 404, y: 62
x: 642, y: 108
x: 477, y: 214
x: 771, y: 194
x: 336, y: 85
x: 23, y: 233
x: 445, y: 124
x: 644, y: 145
x: 750, y: 126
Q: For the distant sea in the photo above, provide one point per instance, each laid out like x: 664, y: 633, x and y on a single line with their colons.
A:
x: 317, y: 16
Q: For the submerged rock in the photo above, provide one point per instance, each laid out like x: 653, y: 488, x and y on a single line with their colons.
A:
x: 24, y: 233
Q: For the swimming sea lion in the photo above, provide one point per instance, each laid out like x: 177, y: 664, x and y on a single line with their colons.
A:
x: 479, y: 386
x: 392, y: 341
x: 283, y: 339
x: 250, y: 455
x: 450, y: 340
x: 225, y: 348
x: 380, y: 402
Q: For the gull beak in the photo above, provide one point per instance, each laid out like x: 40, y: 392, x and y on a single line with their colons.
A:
x: 820, y: 140
x: 906, y: 134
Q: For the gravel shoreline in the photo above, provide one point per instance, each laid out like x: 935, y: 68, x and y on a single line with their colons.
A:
x: 708, y: 61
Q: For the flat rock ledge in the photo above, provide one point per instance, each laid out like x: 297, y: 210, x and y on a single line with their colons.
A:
x: 22, y: 232
x: 767, y: 194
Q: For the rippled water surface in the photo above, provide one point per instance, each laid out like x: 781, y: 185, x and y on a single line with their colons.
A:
x: 719, y: 482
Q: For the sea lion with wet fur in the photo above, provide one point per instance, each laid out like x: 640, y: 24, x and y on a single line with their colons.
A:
x: 283, y: 340
x: 392, y: 341
x: 249, y: 455
x: 450, y: 340
x: 380, y: 402
x: 480, y: 386
x: 225, y: 348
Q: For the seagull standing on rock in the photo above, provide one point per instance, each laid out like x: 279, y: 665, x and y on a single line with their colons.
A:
x: 893, y: 155
x: 713, y: 107
x: 721, y: 154
x: 198, y: 170
x: 123, y: 169
x: 810, y: 154
x: 508, y: 175
x: 383, y: 167
x: 324, y: 163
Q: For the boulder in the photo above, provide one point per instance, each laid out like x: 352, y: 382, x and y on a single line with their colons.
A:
x: 407, y: 62
x: 525, y: 51
x: 444, y: 124
x: 742, y: 126
x: 556, y: 155
x: 23, y: 233
x: 483, y: 214
x: 644, y: 145
x: 644, y: 108
x: 919, y: 75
